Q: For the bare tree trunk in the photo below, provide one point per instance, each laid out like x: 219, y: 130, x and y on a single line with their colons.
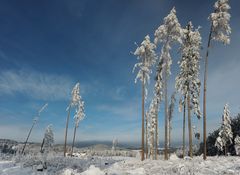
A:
x: 143, y: 98
x: 75, y: 128
x: 156, y: 137
x: 184, y: 125
x: 41, y: 150
x: 226, y: 150
x: 66, y: 131
x: 169, y: 137
x: 189, y: 126
x: 151, y: 148
x: 204, y: 98
x: 166, y: 116
x: 146, y: 138
x: 29, y: 133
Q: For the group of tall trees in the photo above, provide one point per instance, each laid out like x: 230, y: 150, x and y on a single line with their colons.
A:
x: 187, y: 83
x: 76, y: 103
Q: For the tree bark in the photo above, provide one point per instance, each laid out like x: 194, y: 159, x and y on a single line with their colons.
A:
x: 143, y: 98
x: 156, y: 137
x: 146, y: 138
x: 41, y: 150
x: 29, y: 133
x: 205, y: 97
x: 189, y: 126
x: 66, y: 131
x: 226, y: 150
x: 166, y: 115
x: 74, y: 135
x: 184, y: 124
x: 169, y: 136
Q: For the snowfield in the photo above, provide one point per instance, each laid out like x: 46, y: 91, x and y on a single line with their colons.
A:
x: 196, y: 166
x: 127, y: 166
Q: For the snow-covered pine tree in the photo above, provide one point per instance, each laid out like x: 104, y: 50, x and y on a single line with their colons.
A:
x: 152, y: 114
x: 219, y: 143
x: 219, y: 31
x: 152, y: 122
x: 147, y: 57
x: 158, y: 92
x: 170, y: 111
x: 48, y: 139
x: 187, y: 81
x: 225, y: 135
x: 237, y: 144
x: 79, y: 115
x: 167, y: 34
x: 114, y: 144
x: 73, y: 103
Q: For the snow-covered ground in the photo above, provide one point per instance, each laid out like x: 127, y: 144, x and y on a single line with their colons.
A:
x: 212, y: 166
x: 128, y: 166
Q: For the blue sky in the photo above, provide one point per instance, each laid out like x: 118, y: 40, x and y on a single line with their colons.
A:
x: 47, y: 46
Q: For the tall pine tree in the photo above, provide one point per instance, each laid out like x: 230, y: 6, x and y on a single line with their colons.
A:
x: 187, y: 81
x: 146, y: 54
x: 219, y: 31
x: 167, y: 34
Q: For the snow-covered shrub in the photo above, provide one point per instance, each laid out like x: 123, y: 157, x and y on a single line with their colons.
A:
x: 237, y: 145
x: 225, y: 134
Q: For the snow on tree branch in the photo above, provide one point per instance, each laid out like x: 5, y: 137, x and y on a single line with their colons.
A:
x: 220, y: 21
x: 169, y: 32
x: 187, y: 81
x: 48, y: 138
x: 225, y: 134
x: 75, y: 95
x: 147, y: 57
x: 171, y: 106
x: 158, y: 88
x: 237, y: 140
x: 152, y: 122
x: 79, y: 115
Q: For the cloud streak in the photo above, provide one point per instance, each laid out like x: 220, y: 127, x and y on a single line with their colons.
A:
x: 37, y: 85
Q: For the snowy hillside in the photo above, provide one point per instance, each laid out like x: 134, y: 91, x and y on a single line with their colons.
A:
x: 126, y: 166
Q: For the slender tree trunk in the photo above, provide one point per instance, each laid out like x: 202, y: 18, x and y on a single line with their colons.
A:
x: 74, y: 135
x: 42, y: 145
x: 143, y: 99
x: 226, y: 150
x: 156, y: 137
x: 66, y: 131
x: 152, y: 146
x: 169, y: 137
x: 205, y: 98
x: 29, y: 133
x: 184, y: 125
x: 166, y: 115
x: 146, y: 138
x: 189, y: 126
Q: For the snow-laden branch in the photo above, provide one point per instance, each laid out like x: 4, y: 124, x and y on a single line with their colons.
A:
x: 225, y: 134
x: 168, y: 33
x: 146, y: 55
x: 220, y: 21
x: 187, y: 81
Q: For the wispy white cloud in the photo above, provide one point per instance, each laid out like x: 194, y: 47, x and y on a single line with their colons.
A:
x: 37, y: 85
